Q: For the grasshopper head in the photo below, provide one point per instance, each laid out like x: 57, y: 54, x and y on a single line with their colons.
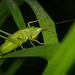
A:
x: 36, y: 32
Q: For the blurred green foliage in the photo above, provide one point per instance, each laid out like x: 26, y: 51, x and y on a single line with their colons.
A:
x: 60, y: 56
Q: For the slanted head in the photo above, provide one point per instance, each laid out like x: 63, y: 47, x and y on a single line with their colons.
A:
x: 36, y: 32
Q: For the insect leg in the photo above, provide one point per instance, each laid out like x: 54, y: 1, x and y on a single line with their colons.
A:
x: 37, y: 41
x: 32, y: 22
x: 5, y: 32
x: 9, y: 39
x: 32, y: 43
x: 20, y: 43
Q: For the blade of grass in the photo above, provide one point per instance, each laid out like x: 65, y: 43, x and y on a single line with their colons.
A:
x: 39, y: 51
x: 3, y: 12
x: 45, y: 20
x: 12, y: 6
x: 64, y: 58
x: 2, y: 6
x: 3, y: 18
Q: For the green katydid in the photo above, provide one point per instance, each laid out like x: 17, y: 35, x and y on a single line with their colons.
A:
x: 16, y: 39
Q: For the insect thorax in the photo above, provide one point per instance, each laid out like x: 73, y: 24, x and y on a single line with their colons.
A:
x: 31, y: 32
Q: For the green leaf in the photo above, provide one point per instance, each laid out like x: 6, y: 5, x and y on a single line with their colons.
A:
x: 14, y: 9
x: 45, y: 20
x: 39, y: 51
x: 3, y: 12
x: 64, y: 58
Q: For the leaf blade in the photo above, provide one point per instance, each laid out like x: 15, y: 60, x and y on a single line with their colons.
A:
x: 38, y: 51
x: 13, y: 7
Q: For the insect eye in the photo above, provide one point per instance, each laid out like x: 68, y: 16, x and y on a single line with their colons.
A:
x: 32, y: 37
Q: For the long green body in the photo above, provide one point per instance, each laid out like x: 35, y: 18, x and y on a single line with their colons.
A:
x: 19, y: 37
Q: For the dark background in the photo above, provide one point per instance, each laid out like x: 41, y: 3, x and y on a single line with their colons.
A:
x: 58, y: 10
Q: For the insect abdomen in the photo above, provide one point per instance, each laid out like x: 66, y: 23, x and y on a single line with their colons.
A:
x: 17, y: 39
x: 7, y: 47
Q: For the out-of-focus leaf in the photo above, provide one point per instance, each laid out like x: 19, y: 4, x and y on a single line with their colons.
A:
x: 3, y: 12
x: 64, y: 58
x: 14, y: 9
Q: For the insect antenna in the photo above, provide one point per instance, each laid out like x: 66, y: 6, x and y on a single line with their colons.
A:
x: 58, y: 23
x: 51, y: 31
x: 48, y: 30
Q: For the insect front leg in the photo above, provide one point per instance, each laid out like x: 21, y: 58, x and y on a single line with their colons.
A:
x: 37, y: 41
x: 32, y: 22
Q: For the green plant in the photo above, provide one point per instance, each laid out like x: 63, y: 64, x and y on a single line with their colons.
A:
x: 60, y: 56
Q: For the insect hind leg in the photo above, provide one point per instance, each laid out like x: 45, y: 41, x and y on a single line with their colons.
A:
x: 11, y: 40
x: 5, y: 32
